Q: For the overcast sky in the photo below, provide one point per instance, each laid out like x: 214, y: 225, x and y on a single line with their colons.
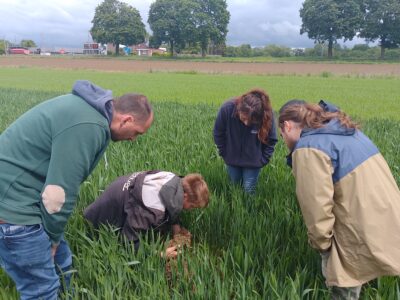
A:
x: 56, y: 23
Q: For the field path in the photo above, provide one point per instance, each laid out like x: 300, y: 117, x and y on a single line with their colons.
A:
x: 124, y: 65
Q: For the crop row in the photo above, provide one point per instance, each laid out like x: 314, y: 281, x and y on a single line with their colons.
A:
x: 244, y: 247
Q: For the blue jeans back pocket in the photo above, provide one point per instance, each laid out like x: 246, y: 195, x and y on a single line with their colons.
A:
x: 27, y: 244
x: 21, y: 231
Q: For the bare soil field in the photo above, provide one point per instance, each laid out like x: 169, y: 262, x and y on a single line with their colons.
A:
x: 124, y: 65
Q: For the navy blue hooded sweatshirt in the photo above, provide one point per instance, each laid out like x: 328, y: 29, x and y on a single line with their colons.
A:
x: 237, y: 143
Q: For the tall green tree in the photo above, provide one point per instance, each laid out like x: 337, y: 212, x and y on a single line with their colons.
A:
x: 117, y: 23
x: 382, y: 22
x: 212, y: 19
x: 3, y: 46
x: 28, y: 43
x: 173, y: 22
x: 330, y: 20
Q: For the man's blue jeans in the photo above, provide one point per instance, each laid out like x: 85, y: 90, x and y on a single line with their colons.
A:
x: 248, y: 177
x: 25, y: 254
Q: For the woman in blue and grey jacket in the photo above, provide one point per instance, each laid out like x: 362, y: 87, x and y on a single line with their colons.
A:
x: 245, y: 135
x: 348, y: 197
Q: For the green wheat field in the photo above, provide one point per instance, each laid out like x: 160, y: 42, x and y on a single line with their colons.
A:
x: 243, y: 247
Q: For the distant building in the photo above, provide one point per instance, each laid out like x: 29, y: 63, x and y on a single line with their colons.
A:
x: 144, y: 50
x: 18, y: 50
x: 55, y: 51
x: 92, y: 48
x: 139, y: 49
x: 298, y: 51
x: 112, y: 50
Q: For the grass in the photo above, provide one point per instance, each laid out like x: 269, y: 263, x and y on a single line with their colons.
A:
x: 244, y: 247
x: 254, y: 59
x: 364, y: 97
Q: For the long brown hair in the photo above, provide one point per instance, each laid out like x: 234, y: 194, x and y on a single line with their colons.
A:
x: 311, y: 115
x: 257, y: 106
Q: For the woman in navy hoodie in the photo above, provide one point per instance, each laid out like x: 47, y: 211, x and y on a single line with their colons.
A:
x: 245, y: 135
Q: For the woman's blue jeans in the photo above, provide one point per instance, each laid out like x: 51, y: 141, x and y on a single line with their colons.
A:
x: 25, y: 254
x: 247, y: 177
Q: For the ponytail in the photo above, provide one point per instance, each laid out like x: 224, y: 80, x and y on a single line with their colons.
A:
x: 312, y: 115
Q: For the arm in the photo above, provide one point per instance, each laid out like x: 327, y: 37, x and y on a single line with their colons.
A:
x: 220, y: 131
x: 312, y: 170
x: 140, y: 219
x: 178, y: 229
x: 74, y: 154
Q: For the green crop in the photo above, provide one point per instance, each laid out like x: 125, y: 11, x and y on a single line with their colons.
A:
x: 364, y: 97
x: 244, y: 247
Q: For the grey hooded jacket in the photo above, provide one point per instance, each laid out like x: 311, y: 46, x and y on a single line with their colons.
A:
x: 138, y: 202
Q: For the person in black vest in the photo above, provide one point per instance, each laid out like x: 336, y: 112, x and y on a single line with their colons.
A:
x: 148, y: 200
x: 245, y: 135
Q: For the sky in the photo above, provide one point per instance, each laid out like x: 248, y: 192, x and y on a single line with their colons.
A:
x: 66, y: 23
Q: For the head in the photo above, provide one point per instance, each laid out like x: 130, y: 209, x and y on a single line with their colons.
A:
x: 254, y: 109
x: 195, y: 191
x: 296, y: 115
x: 132, y: 116
x: 289, y: 129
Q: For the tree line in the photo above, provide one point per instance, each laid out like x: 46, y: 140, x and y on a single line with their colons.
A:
x: 201, y: 24
x: 194, y: 26
x: 178, y: 23
x: 319, y: 51
x: 327, y: 21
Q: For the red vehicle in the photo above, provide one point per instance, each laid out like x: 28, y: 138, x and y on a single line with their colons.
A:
x: 18, y: 50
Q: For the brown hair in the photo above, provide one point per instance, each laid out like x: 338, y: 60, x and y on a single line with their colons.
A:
x: 257, y: 106
x: 134, y: 104
x: 196, y: 189
x: 311, y: 115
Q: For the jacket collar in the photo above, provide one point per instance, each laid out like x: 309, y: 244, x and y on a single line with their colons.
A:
x: 333, y: 127
x: 174, y: 202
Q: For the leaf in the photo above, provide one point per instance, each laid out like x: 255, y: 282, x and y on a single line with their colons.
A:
x: 132, y: 263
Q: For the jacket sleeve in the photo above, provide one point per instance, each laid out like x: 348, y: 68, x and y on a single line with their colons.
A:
x: 269, y: 147
x: 74, y: 154
x: 108, y: 207
x: 312, y: 170
x: 220, y: 131
x: 140, y: 219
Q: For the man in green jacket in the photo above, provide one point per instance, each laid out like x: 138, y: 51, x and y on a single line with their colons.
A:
x: 44, y: 157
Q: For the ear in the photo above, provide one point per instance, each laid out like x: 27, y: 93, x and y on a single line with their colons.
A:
x: 185, y: 197
x: 126, y: 118
x: 284, y: 126
x: 287, y: 126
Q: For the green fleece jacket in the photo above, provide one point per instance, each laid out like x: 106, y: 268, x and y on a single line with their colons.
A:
x: 44, y: 157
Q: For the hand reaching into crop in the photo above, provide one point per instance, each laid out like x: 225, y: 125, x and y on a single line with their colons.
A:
x: 171, y: 252
x: 184, y: 231
x: 177, y: 229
